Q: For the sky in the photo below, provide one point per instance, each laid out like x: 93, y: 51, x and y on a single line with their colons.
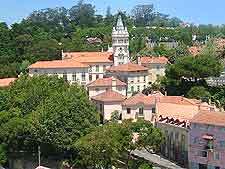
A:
x: 193, y: 11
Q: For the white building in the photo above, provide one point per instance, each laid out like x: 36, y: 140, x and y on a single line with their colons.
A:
x: 102, y: 85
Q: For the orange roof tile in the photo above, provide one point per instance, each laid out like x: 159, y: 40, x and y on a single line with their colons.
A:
x: 6, y: 82
x: 139, y: 99
x: 109, y: 96
x: 90, y: 57
x: 58, y: 64
x: 161, y: 60
x: 207, y: 117
x: 129, y: 67
x: 178, y: 100
x: 195, y: 50
x: 106, y: 82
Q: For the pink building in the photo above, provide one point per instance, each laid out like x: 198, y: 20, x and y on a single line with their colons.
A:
x: 207, y: 141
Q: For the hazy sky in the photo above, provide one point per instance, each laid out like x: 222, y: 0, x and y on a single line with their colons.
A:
x: 195, y: 11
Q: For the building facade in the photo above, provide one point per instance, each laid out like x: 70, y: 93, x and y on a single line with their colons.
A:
x: 156, y: 66
x: 102, y: 85
x: 207, y: 141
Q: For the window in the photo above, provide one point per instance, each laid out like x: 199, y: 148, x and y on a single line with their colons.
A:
x: 216, y: 156
x: 138, y: 88
x: 132, y: 89
x: 97, y: 89
x: 203, y: 154
x: 74, y: 77
x: 157, y: 67
x: 144, y: 78
x: 222, y: 144
x: 144, y: 86
x: 35, y: 70
x: 153, y: 110
x: 101, y: 107
x: 97, y: 77
x: 65, y: 76
x: 217, y: 167
x: 90, y: 78
x: 90, y: 69
x: 97, y: 68
x: 83, y: 77
x: 141, y: 111
x: 176, y: 135
x: 196, y: 140
x: 128, y: 110
x: 120, y: 41
x: 104, y: 67
x: 138, y: 79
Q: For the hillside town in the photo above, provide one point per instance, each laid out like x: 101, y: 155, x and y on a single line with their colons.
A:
x: 95, y: 105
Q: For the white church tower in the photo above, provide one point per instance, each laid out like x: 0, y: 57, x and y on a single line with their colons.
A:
x: 120, y: 43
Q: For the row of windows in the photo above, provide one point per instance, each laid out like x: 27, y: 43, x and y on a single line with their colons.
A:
x: 140, y: 111
x: 138, y: 79
x: 197, y: 140
x: 74, y: 77
x: 138, y: 88
x: 121, y: 41
x: 216, y: 155
x: 208, y: 127
x: 96, y: 68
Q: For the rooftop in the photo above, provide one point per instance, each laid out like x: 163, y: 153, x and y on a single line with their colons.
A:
x: 6, y: 82
x: 139, y: 99
x: 90, y: 57
x: 109, y: 96
x: 58, y: 64
x: 106, y: 82
x: 129, y: 67
x: 161, y: 60
x: 207, y: 117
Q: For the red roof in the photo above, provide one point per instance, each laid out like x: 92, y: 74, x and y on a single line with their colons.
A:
x: 139, y: 99
x: 195, y: 50
x: 106, y: 82
x: 90, y: 57
x: 161, y: 60
x: 109, y: 96
x: 129, y: 67
x: 6, y: 82
x: 58, y: 64
x: 212, y: 118
x: 178, y: 100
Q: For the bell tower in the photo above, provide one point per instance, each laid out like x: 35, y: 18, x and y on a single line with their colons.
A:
x: 120, y: 42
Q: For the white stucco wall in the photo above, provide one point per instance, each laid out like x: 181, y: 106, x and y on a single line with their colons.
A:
x: 93, y: 91
x: 148, y: 115
x: 60, y: 71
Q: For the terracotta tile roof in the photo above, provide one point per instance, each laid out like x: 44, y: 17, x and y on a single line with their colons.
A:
x: 195, y: 50
x: 6, y: 82
x: 109, y: 96
x: 90, y: 57
x: 161, y: 60
x: 207, y: 117
x: 178, y: 100
x: 139, y: 99
x: 58, y: 64
x: 106, y: 82
x: 129, y: 67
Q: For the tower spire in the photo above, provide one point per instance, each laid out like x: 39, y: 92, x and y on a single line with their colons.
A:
x: 119, y: 24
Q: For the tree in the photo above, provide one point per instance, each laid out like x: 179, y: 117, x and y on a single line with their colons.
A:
x: 45, y: 111
x: 2, y: 155
x: 143, y: 14
x: 195, y: 68
x: 112, y: 144
x: 199, y: 92
x: 83, y: 14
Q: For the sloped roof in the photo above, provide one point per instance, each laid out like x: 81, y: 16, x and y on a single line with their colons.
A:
x: 106, y: 82
x: 129, y: 67
x: 161, y: 60
x: 90, y: 57
x: 58, y: 64
x: 6, y: 82
x: 139, y: 99
x: 178, y: 100
x: 208, y: 117
x: 109, y: 96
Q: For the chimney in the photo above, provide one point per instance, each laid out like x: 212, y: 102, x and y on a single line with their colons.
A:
x: 113, y: 84
x: 139, y: 60
x: 63, y: 56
